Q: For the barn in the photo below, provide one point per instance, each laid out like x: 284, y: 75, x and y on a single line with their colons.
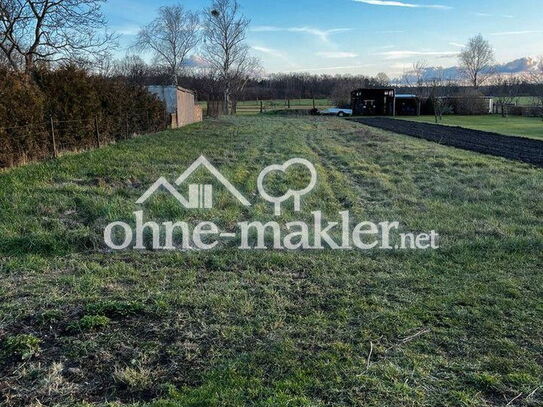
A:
x: 384, y: 102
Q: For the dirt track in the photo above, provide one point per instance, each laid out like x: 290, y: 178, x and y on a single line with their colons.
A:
x: 514, y: 148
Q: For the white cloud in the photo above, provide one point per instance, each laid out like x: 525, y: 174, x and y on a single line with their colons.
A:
x: 483, y: 14
x: 492, y: 15
x: 457, y: 44
x: 323, y: 35
x: 403, y: 54
x: 274, y: 53
x: 196, y: 61
x: 399, y: 67
x: 129, y: 29
x: 516, y: 33
x: 337, y: 54
x: 266, y: 28
x: 383, y: 47
x: 333, y: 68
x: 268, y: 51
x: 402, y: 4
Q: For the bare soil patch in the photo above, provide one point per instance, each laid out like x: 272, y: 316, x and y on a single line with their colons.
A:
x: 513, y: 148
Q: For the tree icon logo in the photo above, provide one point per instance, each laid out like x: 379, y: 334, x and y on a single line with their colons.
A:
x: 296, y: 194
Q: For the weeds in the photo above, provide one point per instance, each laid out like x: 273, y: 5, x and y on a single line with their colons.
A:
x: 460, y: 326
x: 23, y: 346
x: 90, y: 323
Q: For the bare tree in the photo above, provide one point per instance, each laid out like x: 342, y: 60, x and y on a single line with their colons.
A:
x: 416, y: 78
x: 419, y: 71
x: 225, y: 50
x: 438, y: 86
x: 104, y: 66
x: 506, y: 90
x: 537, y: 79
x: 476, y: 60
x: 170, y: 37
x: 133, y: 68
x: 33, y: 31
x: 382, y: 79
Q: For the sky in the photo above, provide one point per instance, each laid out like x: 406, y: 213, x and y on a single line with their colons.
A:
x: 363, y: 36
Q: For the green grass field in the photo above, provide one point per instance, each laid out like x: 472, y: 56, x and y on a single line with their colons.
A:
x: 460, y: 326
x: 252, y: 107
x: 527, y: 101
x: 531, y: 127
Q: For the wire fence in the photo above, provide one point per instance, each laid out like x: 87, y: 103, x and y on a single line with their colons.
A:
x: 263, y: 106
x: 25, y: 143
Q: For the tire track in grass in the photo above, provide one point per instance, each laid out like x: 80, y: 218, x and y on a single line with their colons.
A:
x: 369, y: 186
x: 339, y: 181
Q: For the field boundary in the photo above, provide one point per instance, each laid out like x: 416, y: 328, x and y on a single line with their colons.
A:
x: 511, y: 147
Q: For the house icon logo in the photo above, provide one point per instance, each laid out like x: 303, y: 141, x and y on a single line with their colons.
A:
x: 196, y: 234
x: 200, y: 196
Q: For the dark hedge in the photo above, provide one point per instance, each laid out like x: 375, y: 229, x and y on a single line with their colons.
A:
x: 85, y: 110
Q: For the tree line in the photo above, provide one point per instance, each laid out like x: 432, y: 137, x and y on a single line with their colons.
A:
x: 206, y: 50
x: 477, y: 66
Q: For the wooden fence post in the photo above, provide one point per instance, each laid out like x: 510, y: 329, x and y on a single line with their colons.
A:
x: 127, y: 128
x: 97, y: 132
x: 261, y: 107
x: 53, y: 140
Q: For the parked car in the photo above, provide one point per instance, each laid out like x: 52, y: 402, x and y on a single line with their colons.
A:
x: 336, y: 111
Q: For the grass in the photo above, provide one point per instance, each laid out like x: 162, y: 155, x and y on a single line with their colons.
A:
x: 527, y: 101
x: 460, y: 326
x: 283, y: 102
x: 531, y: 127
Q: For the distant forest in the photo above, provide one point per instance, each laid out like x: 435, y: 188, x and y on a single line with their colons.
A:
x: 284, y: 86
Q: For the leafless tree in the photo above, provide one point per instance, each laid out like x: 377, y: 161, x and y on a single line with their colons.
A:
x: 104, y: 66
x: 33, y: 31
x: 537, y: 79
x: 416, y: 78
x: 170, y: 37
x: 506, y: 90
x: 131, y: 67
x: 438, y: 86
x: 382, y: 79
x: 341, y: 94
x: 225, y: 50
x: 419, y: 71
x: 476, y: 60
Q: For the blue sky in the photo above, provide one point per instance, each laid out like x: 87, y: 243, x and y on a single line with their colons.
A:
x: 364, y: 36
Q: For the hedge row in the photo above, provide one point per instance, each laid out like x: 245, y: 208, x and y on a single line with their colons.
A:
x: 526, y: 111
x: 71, y: 110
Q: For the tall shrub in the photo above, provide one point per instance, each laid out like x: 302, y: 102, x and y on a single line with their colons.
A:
x: 85, y: 110
x: 22, y: 106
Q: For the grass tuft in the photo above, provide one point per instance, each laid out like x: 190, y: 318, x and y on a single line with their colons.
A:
x: 23, y: 346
